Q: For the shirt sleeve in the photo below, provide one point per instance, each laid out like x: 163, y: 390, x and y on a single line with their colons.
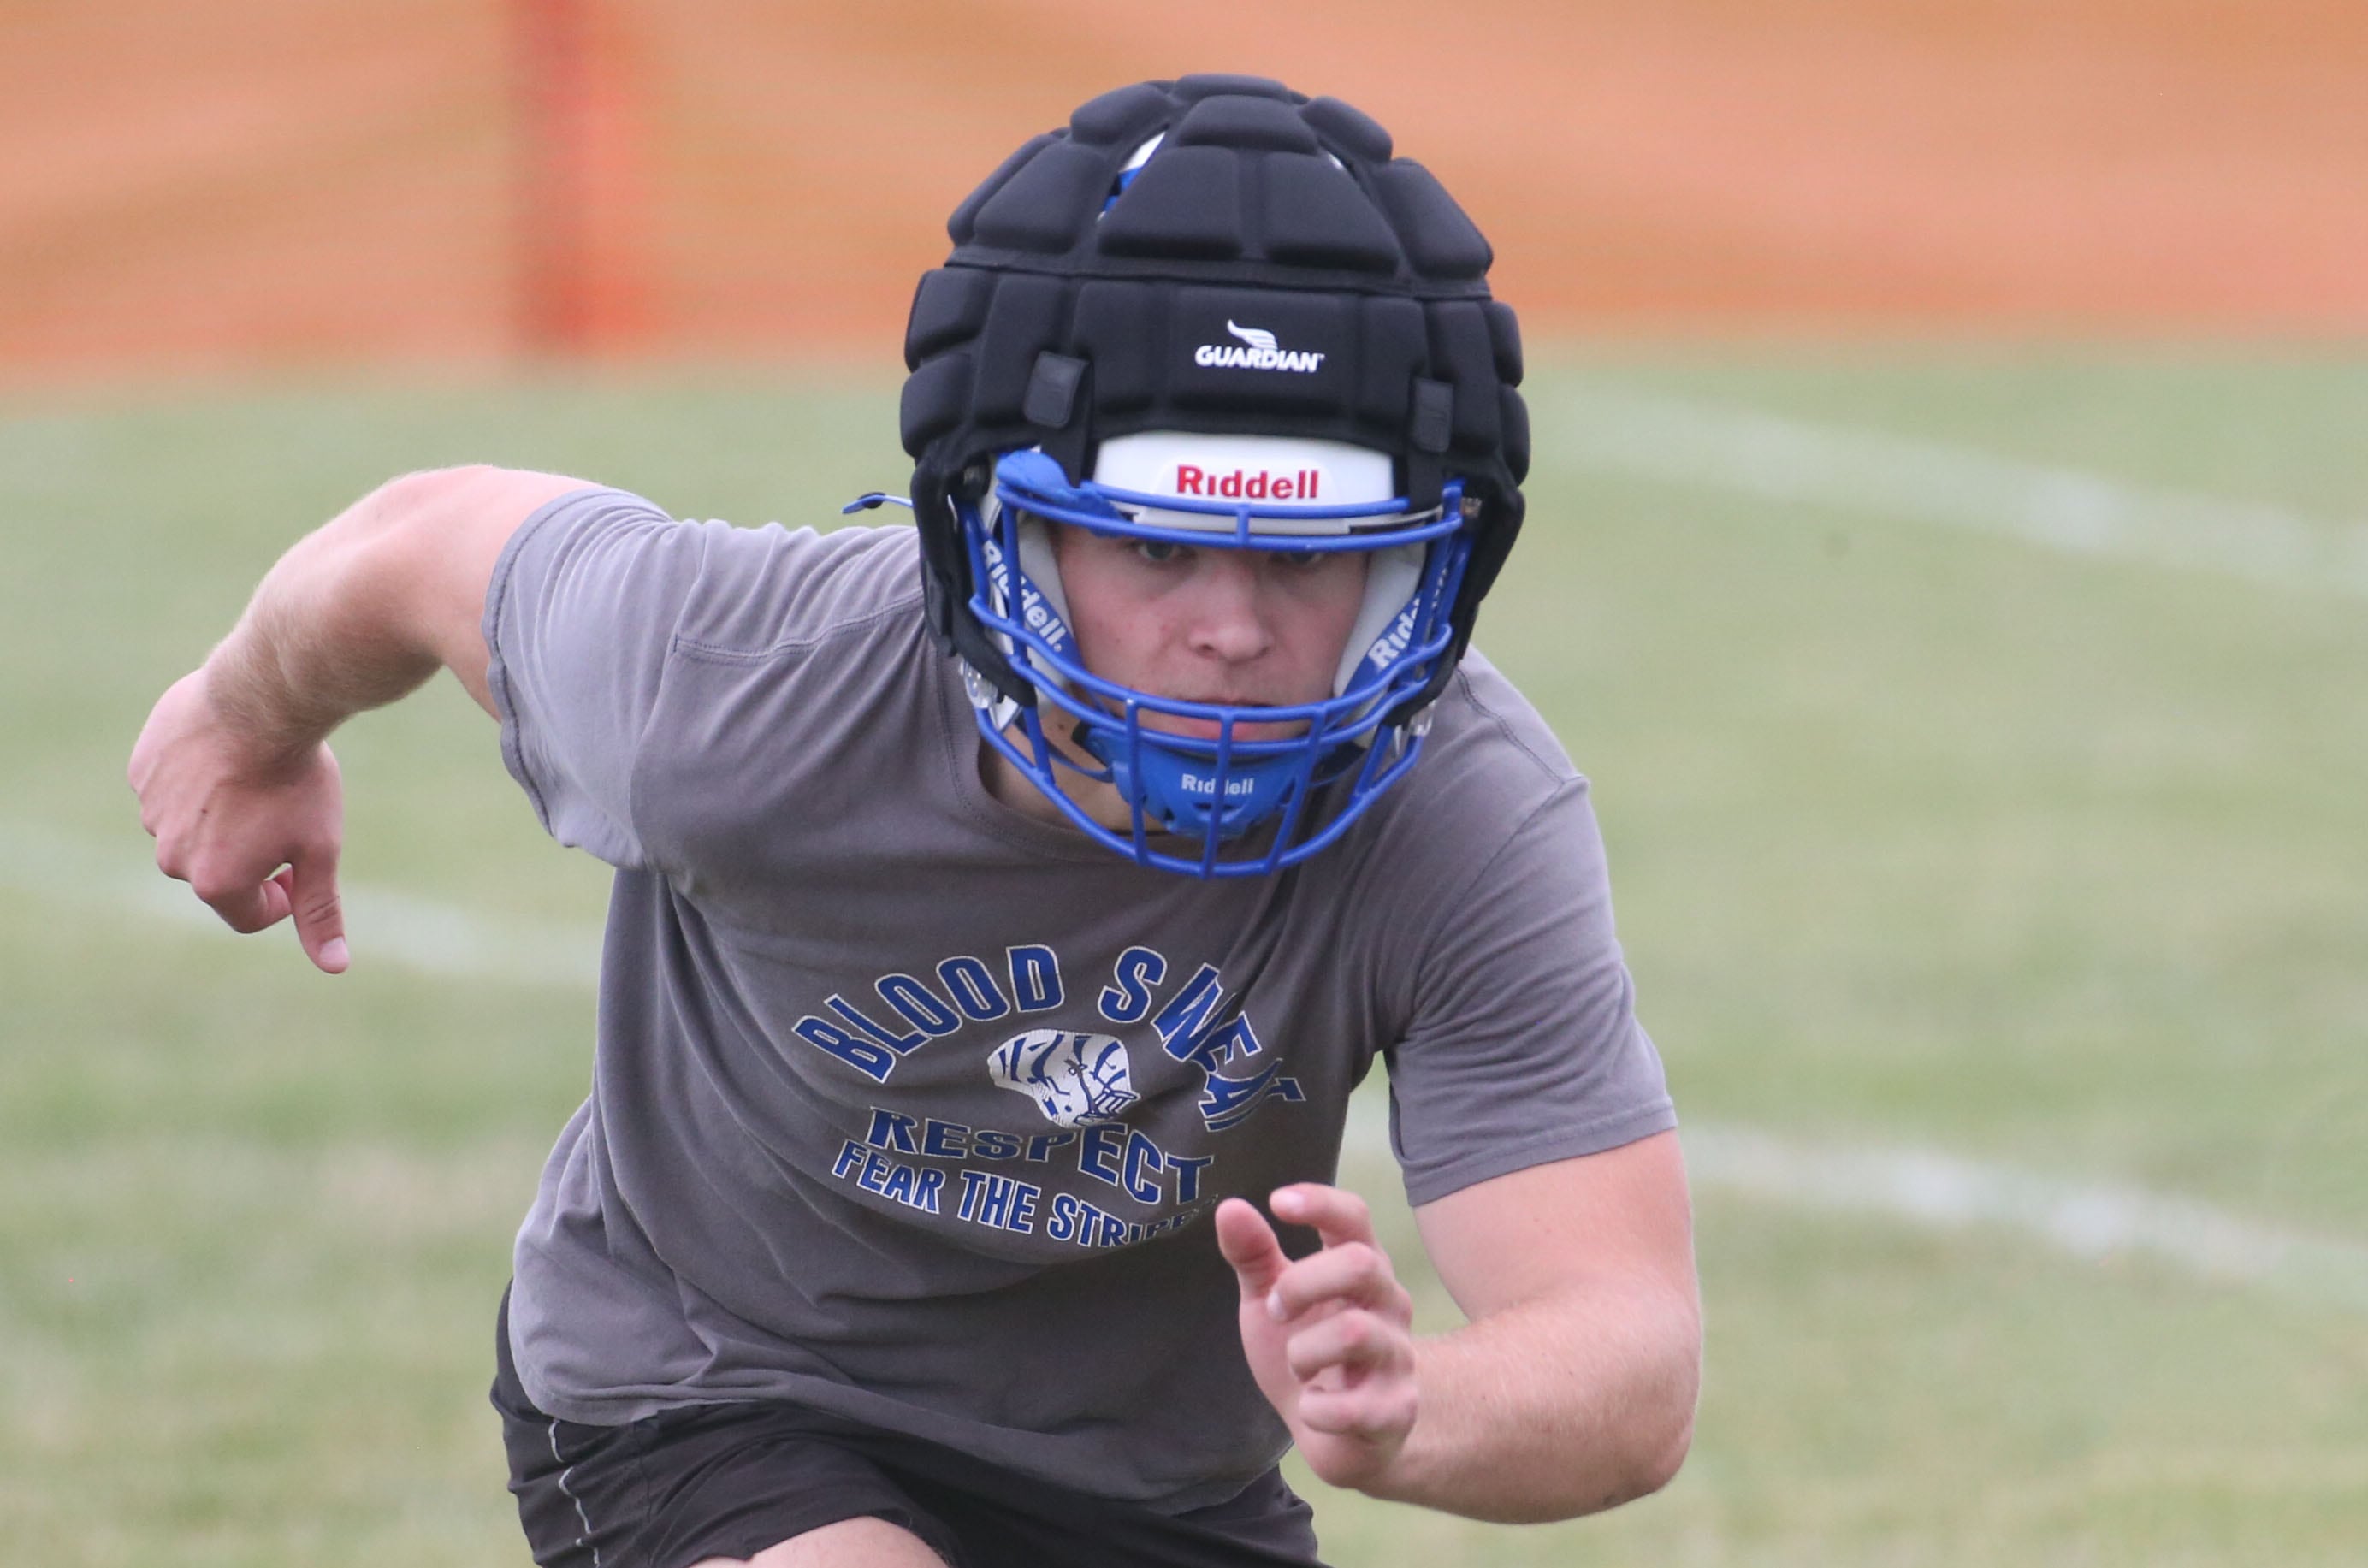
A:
x: 580, y: 618
x: 1524, y: 1046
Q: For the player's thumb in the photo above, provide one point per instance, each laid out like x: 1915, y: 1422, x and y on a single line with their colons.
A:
x: 319, y: 913
x: 1247, y: 1243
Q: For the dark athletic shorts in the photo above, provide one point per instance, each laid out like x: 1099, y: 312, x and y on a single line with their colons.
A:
x: 729, y: 1480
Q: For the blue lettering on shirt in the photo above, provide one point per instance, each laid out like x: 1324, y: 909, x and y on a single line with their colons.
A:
x: 1189, y: 1012
x: 1069, y: 1217
x: 1187, y: 1169
x: 1128, y: 996
x: 1198, y: 1024
x: 891, y: 1129
x: 917, y: 1004
x: 1035, y: 978
x: 1227, y: 1103
x: 915, y: 1187
x: 999, y: 1202
x: 1212, y: 1048
x: 899, y: 1043
x: 868, y: 1057
x: 1099, y: 1152
x: 974, y: 989
x: 1141, y: 1163
x: 1040, y: 1147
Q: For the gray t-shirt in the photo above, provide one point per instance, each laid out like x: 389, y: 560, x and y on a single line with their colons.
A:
x: 909, y: 1107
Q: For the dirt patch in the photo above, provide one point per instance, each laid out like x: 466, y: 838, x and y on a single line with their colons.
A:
x: 272, y: 182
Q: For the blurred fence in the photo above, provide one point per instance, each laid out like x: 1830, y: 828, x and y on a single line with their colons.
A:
x: 264, y: 183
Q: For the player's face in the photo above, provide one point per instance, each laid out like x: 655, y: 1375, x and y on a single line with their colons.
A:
x: 1242, y: 628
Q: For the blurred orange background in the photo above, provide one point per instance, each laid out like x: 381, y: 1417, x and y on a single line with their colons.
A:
x: 262, y: 185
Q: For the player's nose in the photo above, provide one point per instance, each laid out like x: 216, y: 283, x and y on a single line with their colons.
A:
x: 1230, y: 618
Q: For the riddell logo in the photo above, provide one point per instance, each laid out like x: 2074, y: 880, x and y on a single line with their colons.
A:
x: 1257, y: 351
x: 1196, y: 785
x: 1244, y: 485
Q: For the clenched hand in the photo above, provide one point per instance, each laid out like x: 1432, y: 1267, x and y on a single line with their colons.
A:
x: 255, y: 836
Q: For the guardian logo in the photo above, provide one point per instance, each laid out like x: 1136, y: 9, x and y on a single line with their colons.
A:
x: 1257, y: 351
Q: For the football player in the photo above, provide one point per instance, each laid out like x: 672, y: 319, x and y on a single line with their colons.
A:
x: 1007, y: 906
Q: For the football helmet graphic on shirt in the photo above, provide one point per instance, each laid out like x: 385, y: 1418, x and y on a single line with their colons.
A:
x: 1075, y: 1078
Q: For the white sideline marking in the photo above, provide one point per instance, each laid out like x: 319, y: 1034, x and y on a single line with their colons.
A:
x: 1711, y: 446
x: 2091, y: 1221
x: 1922, y: 1187
x: 384, y: 926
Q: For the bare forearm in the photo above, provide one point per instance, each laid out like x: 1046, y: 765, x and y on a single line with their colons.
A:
x: 371, y: 604
x: 1553, y: 1408
x: 332, y: 630
x: 1571, y: 1387
x: 234, y: 782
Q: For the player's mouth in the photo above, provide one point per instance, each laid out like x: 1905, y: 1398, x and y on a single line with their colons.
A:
x: 1210, y: 730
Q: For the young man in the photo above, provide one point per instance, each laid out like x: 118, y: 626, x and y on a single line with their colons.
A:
x: 989, y: 940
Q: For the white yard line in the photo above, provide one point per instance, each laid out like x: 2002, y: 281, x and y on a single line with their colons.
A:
x: 1711, y: 446
x: 2094, y: 1221
x: 1928, y: 1189
x: 384, y: 926
x: 1923, y: 1187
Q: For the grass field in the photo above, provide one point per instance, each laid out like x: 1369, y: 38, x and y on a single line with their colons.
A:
x: 1927, y: 839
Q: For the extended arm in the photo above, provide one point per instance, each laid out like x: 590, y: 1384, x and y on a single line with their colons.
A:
x: 235, y: 778
x: 1570, y: 1388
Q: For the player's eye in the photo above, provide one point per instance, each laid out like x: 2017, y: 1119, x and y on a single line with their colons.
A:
x: 1158, y: 552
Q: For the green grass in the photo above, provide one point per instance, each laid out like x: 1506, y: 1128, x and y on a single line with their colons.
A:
x: 1919, y: 836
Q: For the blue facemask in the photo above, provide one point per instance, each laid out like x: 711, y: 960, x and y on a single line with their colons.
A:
x: 1221, y: 805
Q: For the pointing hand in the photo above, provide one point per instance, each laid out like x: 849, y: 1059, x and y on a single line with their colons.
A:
x: 256, y: 839
x: 1329, y: 1337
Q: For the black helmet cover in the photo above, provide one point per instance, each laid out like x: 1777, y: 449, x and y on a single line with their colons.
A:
x: 1086, y: 299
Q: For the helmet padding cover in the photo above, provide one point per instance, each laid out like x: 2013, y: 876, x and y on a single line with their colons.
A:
x: 1269, y: 268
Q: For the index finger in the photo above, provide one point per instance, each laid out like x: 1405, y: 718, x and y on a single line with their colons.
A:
x: 1335, y: 1214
